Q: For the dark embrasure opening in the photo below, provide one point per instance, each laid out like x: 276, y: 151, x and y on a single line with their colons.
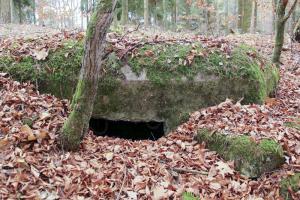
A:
x: 127, y: 129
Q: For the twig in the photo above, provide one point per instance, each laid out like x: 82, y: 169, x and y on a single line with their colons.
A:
x: 124, y: 179
x: 151, y: 43
x: 181, y: 170
x: 128, y: 32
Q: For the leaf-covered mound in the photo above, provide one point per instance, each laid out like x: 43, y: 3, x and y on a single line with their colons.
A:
x: 154, y: 80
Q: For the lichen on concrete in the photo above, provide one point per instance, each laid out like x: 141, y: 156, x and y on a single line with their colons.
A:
x: 250, y: 158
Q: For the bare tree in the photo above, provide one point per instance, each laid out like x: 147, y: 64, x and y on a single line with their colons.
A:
x: 280, y: 21
x: 82, y: 105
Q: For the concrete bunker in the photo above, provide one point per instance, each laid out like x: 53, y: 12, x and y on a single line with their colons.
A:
x: 162, y: 82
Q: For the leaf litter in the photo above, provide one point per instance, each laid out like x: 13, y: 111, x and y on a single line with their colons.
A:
x: 34, y: 167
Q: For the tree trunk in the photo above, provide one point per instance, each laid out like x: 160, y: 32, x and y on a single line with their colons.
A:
x: 253, y: 17
x: 20, y: 12
x: 245, y: 8
x: 280, y: 22
x: 226, y: 18
x: 176, y: 11
x: 165, y: 14
x: 5, y: 11
x: 296, y: 32
x: 34, y: 12
x: 146, y: 13
x: 124, y: 17
x: 82, y: 105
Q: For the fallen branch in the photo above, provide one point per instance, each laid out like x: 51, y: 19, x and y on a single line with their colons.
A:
x: 181, y: 170
x: 128, y: 32
x: 124, y: 179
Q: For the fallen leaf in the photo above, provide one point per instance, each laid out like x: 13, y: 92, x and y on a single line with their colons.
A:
x: 224, y: 168
x: 109, y: 156
x: 4, y: 142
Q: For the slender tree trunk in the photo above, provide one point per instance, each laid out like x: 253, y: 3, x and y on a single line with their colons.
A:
x: 296, y: 32
x: 146, y: 13
x: 217, y: 16
x: 226, y: 17
x: 34, y: 12
x: 124, y: 17
x: 5, y: 11
x: 253, y: 17
x: 82, y: 105
x: 176, y: 11
x: 20, y: 11
x: 280, y: 22
x: 165, y: 14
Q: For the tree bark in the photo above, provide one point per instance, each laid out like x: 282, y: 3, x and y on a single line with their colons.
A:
x: 5, y: 11
x: 226, y: 18
x: 280, y: 22
x: 146, y: 13
x: 296, y: 32
x: 165, y: 14
x: 124, y: 17
x: 253, y: 17
x: 176, y: 11
x: 82, y: 105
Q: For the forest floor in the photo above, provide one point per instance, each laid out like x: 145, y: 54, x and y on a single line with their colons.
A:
x: 34, y: 167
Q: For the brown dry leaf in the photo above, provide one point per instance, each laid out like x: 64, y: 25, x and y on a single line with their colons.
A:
x: 224, y: 168
x: 42, y: 134
x: 149, y: 53
x: 159, y: 193
x: 4, y: 143
x: 271, y: 101
x: 109, y: 156
x: 215, y: 186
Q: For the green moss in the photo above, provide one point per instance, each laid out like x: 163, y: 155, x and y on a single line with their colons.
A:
x: 250, y: 158
x: 292, y: 182
x: 59, y: 70
x: 295, y: 124
x: 189, y: 196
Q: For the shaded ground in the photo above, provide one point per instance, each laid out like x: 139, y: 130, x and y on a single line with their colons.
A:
x: 32, y: 165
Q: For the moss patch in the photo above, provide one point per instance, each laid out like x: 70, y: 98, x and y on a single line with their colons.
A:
x: 56, y: 75
x: 292, y: 183
x: 250, y: 158
x: 294, y: 124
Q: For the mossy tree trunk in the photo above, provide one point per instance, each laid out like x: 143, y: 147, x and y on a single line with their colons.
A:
x: 83, y: 100
x: 280, y: 21
x: 296, y: 32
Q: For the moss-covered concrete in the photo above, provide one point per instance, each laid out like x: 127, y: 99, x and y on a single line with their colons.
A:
x: 290, y: 183
x: 158, y: 83
x: 250, y: 158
